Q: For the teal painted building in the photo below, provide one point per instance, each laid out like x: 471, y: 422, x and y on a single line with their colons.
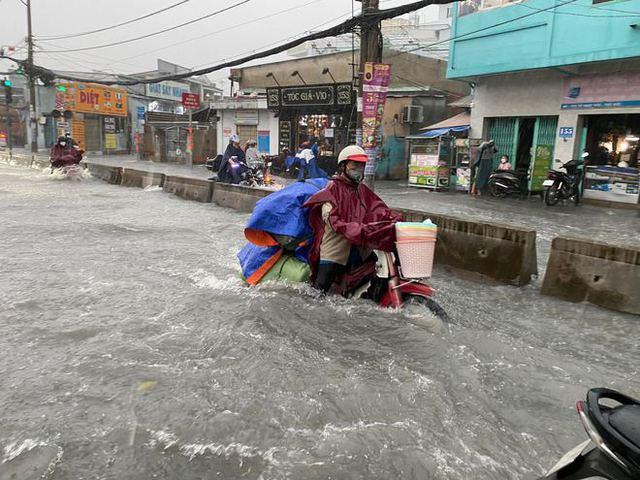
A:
x: 552, y: 79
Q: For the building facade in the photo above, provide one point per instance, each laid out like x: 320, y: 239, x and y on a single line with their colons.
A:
x: 552, y: 81
x: 314, y: 98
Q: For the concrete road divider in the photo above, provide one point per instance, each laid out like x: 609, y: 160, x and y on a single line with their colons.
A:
x: 109, y: 174
x: 141, y: 178
x: 482, y: 251
x: 600, y: 273
x: 238, y: 197
x: 199, y: 190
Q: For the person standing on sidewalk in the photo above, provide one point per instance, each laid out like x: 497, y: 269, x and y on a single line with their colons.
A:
x: 483, y: 167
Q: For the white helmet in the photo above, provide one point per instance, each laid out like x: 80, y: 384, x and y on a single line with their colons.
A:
x: 235, y: 138
x: 353, y: 153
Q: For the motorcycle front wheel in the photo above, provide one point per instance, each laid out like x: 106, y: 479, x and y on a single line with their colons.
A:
x: 428, y: 302
x: 552, y: 195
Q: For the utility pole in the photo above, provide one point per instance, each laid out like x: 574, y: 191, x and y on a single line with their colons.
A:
x: 32, y: 122
x: 370, y: 51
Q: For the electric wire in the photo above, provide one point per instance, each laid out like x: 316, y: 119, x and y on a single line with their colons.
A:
x: 141, y: 37
x: 111, y: 27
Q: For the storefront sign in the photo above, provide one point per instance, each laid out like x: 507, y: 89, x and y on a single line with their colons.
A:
x: 109, y: 124
x: 627, y: 104
x: 110, y: 141
x: 312, y: 95
x: 611, y: 90
x: 541, y: 163
x: 167, y: 90
x: 226, y: 132
x: 140, y: 111
x: 92, y: 98
x: 566, y: 132
x: 285, y: 135
x: 190, y: 100
x: 264, y: 140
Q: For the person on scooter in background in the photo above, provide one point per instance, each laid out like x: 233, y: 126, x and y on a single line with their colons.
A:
x: 251, y: 153
x: 64, y: 154
x: 226, y: 173
x: 505, y: 165
x: 348, y: 221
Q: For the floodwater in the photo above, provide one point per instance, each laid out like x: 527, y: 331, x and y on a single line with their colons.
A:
x: 131, y: 349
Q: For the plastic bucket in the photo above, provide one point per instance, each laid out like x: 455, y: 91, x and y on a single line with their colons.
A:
x: 416, y: 257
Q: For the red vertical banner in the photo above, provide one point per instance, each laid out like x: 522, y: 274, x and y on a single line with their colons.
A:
x: 375, y: 86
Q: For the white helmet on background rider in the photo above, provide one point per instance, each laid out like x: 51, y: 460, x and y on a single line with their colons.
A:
x: 234, y: 138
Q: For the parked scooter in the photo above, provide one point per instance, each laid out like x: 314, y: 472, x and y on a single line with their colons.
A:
x: 503, y: 183
x: 613, y: 448
x: 565, y: 185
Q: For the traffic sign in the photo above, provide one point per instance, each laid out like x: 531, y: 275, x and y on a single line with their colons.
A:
x: 190, y: 100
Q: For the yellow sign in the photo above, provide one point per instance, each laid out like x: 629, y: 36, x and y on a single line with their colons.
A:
x: 93, y: 98
x: 110, y: 141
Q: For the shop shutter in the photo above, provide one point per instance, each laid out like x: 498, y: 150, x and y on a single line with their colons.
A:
x: 247, y: 117
x: 93, y: 135
x: 246, y: 133
x: 504, y: 131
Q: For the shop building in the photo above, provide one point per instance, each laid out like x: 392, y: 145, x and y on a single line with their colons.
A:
x: 314, y: 98
x: 95, y: 115
x: 250, y: 119
x: 555, y: 92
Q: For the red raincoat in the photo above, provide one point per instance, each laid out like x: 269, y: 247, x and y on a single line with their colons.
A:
x: 63, y: 156
x: 358, y: 214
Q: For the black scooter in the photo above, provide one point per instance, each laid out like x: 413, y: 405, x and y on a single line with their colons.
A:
x: 565, y: 185
x: 503, y: 183
x: 613, y: 448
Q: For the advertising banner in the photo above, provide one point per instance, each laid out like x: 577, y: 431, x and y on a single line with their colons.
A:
x: 375, y: 86
x: 92, y: 98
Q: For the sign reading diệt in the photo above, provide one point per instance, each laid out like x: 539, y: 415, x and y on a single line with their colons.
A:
x: 92, y: 98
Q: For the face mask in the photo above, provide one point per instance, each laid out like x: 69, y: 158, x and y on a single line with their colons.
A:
x: 63, y: 144
x: 355, y: 175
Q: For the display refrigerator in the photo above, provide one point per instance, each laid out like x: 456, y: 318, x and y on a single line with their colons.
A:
x: 613, y: 184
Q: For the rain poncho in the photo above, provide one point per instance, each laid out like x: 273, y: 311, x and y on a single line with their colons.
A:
x: 280, y: 213
x: 64, y: 156
x: 307, y: 164
x: 358, y: 214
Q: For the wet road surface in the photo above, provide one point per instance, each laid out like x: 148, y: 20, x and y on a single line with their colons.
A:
x: 131, y: 349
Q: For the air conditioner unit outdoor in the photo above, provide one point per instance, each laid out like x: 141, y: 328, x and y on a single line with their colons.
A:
x: 412, y: 114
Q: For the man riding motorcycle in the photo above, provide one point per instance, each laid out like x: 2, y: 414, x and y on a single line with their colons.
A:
x: 349, y: 221
x: 64, y: 154
x: 233, y: 162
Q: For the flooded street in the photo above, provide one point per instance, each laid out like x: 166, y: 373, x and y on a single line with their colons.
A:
x: 131, y: 349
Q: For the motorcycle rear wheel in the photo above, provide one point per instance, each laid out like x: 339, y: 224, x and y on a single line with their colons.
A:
x: 552, y: 195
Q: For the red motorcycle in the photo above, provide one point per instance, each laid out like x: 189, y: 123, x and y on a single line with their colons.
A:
x: 383, y: 283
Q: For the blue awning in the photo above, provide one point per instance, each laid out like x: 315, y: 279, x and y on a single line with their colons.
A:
x: 438, y: 132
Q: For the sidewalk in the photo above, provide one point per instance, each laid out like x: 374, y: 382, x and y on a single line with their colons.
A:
x: 619, y: 226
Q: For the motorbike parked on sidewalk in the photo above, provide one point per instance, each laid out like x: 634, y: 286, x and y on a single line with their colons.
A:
x: 565, y: 185
x: 503, y: 183
x: 613, y: 448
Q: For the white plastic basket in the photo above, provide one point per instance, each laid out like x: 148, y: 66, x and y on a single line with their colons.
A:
x: 416, y: 258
